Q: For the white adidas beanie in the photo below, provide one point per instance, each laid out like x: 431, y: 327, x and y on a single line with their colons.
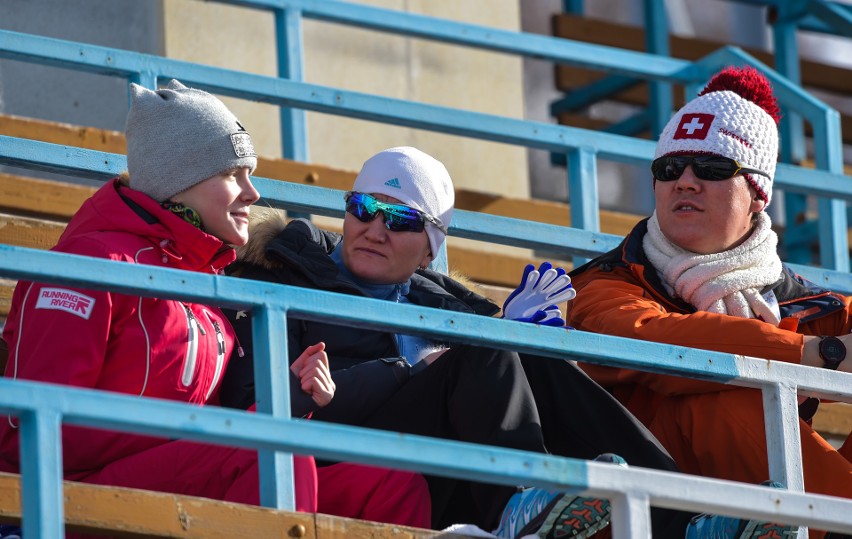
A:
x: 414, y: 178
x: 735, y: 116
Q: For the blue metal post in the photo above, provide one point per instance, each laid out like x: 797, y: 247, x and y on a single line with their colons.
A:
x: 583, y: 192
x: 573, y: 6
x: 294, y: 127
x: 833, y: 218
x: 660, y: 100
x: 148, y: 79
x: 792, y: 135
x: 784, y: 449
x: 660, y: 103
x: 272, y: 393
x: 783, y: 445
x: 288, y: 25
x: 41, y: 474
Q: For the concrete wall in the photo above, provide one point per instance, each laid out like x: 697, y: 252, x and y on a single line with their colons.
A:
x: 426, y: 72
x: 375, y: 63
x: 62, y: 95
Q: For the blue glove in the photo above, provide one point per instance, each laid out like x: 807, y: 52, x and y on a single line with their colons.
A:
x: 539, y: 291
x: 549, y: 316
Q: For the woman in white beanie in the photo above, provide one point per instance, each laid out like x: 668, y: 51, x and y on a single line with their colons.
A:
x: 703, y: 271
x: 396, y: 220
x: 186, y: 206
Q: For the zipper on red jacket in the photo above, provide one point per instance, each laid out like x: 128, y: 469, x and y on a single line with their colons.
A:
x: 193, y: 328
x: 220, y: 355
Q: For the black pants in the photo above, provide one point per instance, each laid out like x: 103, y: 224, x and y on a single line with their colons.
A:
x: 580, y: 419
x: 481, y: 395
x: 470, y: 394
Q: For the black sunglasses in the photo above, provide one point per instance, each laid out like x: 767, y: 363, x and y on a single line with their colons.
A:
x: 713, y: 168
x: 397, y: 217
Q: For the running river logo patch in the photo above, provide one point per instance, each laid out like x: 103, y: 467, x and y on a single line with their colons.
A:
x: 62, y: 299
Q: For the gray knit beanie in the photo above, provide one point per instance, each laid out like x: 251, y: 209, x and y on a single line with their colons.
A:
x: 178, y: 137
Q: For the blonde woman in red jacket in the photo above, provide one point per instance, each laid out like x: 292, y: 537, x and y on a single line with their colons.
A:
x: 185, y: 205
x: 703, y: 271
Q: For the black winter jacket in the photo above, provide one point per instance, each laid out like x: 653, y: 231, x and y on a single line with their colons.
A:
x: 365, y: 364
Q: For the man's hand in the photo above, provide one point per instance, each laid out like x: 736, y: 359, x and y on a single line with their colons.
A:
x: 312, y: 369
x: 810, y: 353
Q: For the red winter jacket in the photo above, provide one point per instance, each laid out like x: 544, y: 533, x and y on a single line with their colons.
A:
x: 116, y: 342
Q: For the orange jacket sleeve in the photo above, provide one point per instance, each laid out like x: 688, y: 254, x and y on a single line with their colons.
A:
x: 607, y: 303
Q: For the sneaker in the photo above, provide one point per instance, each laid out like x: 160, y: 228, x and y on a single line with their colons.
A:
x: 10, y: 532
x: 551, y: 515
x: 721, y: 527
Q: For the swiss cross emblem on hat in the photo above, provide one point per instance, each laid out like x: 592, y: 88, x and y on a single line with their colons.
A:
x: 695, y: 126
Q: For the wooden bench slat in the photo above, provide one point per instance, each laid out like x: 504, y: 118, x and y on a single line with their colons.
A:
x: 128, y: 512
x: 31, y: 197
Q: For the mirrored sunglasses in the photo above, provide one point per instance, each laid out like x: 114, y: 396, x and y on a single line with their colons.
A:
x: 397, y: 217
x: 713, y: 168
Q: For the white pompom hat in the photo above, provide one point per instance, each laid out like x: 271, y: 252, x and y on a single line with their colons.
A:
x: 735, y: 116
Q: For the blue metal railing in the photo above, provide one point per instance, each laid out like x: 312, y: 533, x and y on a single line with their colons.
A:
x: 582, y: 145
x: 470, y: 225
x: 272, y: 303
x: 659, y: 69
x: 42, y: 408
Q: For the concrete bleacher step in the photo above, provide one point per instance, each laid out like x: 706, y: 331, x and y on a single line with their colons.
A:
x: 819, y: 76
x: 124, y: 512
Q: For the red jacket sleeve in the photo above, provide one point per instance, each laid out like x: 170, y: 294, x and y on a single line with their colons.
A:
x: 60, y: 334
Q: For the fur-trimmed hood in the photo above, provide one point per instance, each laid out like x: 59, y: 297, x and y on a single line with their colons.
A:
x: 264, y: 224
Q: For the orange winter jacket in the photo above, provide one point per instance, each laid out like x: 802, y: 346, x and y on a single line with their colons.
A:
x: 620, y: 293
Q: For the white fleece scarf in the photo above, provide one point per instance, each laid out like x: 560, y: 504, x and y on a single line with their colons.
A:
x: 728, y: 282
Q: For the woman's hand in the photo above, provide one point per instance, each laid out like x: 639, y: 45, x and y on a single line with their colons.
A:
x: 312, y: 369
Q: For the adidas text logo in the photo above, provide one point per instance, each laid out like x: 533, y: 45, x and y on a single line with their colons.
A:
x: 393, y: 182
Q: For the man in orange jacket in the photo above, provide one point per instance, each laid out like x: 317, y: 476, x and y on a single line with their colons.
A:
x: 703, y: 271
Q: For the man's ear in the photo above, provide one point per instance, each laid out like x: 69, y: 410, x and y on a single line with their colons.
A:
x: 757, y: 204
